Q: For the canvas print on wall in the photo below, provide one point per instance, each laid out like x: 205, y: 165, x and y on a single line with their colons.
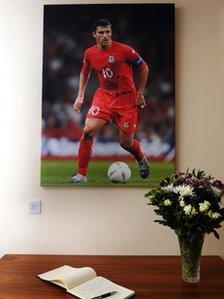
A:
x: 108, y: 95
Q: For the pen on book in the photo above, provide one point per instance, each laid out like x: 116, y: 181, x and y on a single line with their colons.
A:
x: 105, y: 295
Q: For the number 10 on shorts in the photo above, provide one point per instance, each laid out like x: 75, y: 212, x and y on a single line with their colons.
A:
x: 94, y: 110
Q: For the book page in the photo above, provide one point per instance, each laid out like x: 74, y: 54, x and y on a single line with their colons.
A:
x: 100, y: 286
x: 68, y: 277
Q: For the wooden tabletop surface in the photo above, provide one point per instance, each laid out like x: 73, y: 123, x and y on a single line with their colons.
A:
x: 152, y: 277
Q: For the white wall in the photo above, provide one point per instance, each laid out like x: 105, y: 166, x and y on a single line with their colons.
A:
x: 102, y: 220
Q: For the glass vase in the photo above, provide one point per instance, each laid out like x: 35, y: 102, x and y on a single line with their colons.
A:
x: 191, y: 258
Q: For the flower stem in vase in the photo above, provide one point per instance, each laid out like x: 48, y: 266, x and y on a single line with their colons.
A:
x: 191, y: 258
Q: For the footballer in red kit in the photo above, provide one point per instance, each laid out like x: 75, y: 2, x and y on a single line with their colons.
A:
x: 118, y: 98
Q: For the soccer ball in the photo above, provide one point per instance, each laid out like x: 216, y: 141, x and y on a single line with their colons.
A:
x: 119, y: 172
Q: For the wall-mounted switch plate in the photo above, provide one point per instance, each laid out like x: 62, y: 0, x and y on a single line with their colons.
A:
x: 34, y: 206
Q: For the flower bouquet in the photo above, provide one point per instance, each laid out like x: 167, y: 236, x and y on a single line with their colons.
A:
x: 190, y: 204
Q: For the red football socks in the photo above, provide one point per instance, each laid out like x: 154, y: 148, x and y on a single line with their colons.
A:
x: 136, y: 151
x: 85, y: 151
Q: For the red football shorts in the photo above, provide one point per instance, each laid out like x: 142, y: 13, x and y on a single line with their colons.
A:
x: 119, y: 108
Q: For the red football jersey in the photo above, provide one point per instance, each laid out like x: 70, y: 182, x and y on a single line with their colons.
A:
x: 113, y: 66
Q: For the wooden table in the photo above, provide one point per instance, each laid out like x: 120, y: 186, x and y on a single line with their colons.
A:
x: 152, y: 277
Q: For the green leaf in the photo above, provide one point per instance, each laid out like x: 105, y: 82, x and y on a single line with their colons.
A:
x: 178, y: 231
x: 163, y: 222
x: 215, y: 234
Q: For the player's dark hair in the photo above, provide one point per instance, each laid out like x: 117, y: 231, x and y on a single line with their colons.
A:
x: 101, y: 22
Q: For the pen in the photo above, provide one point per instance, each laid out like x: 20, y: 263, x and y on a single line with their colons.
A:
x: 105, y: 295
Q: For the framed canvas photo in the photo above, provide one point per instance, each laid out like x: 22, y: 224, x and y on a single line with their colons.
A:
x: 108, y: 116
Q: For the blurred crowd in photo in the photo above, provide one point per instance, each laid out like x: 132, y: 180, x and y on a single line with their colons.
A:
x: 67, y: 33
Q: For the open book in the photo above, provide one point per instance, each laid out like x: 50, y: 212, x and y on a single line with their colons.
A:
x: 85, y: 284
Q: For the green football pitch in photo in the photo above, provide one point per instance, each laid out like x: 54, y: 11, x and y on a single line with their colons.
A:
x: 57, y: 173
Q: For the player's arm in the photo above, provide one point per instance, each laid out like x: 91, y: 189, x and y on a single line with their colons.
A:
x: 83, y: 81
x: 141, y: 70
x: 141, y: 79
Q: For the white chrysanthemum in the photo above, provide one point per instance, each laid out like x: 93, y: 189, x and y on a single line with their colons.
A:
x: 168, y: 188
x: 217, y: 192
x: 209, y: 213
x: 204, y: 206
x: 182, y: 203
x: 184, y: 190
x: 215, y: 215
x: 193, y: 211
x: 187, y: 209
x: 167, y: 202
